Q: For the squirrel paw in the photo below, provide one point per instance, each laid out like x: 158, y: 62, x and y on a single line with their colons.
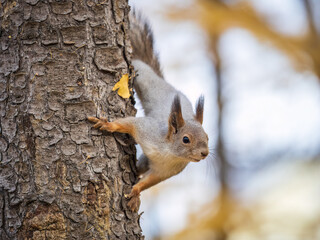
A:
x: 101, y: 123
x: 134, y: 203
x: 134, y: 196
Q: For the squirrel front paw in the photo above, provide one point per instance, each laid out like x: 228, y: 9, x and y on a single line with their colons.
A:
x: 134, y: 196
x: 102, y: 123
x: 134, y: 203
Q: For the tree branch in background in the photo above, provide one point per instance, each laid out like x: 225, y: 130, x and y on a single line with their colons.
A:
x: 311, y: 23
x: 216, y: 17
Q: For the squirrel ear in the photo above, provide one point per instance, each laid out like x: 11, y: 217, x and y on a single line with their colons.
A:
x: 175, y: 118
x: 199, y: 109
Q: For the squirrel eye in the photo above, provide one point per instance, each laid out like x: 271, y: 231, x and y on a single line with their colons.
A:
x: 185, y: 139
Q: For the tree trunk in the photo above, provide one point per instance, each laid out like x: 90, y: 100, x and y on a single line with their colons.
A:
x: 59, y: 177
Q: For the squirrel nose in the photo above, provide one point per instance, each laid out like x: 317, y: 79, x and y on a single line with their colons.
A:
x: 204, y: 154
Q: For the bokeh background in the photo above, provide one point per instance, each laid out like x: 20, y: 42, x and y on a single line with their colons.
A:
x: 258, y: 64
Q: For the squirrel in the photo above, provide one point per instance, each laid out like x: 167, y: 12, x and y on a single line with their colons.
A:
x: 171, y: 134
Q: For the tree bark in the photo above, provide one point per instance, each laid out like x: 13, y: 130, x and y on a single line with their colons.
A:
x: 60, y: 178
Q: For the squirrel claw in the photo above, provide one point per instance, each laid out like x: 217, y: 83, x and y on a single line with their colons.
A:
x: 128, y: 196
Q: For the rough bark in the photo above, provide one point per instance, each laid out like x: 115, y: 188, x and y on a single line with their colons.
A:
x: 60, y: 178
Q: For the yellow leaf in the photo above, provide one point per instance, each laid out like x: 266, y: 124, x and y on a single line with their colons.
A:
x: 122, y: 86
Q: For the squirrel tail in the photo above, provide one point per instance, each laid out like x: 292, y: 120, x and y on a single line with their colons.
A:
x: 141, y: 37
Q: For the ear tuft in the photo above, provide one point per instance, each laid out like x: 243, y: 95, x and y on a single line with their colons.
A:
x: 175, y: 120
x: 199, y: 109
x: 176, y: 105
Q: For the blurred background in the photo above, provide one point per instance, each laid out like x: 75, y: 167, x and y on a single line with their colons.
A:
x: 258, y: 64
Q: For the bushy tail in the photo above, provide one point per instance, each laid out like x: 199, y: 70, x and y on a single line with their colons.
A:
x: 141, y: 37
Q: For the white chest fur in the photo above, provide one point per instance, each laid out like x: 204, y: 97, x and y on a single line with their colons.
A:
x: 165, y: 163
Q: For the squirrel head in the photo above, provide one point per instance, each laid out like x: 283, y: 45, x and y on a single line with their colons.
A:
x: 188, y: 138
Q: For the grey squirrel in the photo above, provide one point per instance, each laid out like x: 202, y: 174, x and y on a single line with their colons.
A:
x: 171, y: 134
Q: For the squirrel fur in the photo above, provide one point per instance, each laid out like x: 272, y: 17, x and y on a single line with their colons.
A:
x: 171, y: 134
